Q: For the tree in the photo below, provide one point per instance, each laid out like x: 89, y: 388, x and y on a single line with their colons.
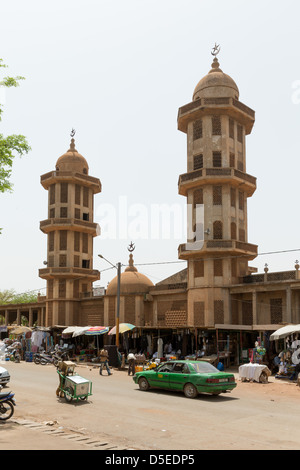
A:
x: 10, y: 296
x: 12, y: 144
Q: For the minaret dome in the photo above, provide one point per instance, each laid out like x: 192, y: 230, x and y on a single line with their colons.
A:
x: 216, y: 84
x: 72, y: 161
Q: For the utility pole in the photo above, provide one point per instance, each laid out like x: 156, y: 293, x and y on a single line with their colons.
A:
x: 118, y: 267
x: 118, y: 303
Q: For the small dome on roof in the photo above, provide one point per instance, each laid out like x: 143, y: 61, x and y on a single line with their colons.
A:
x: 216, y: 84
x: 72, y: 161
x: 132, y: 282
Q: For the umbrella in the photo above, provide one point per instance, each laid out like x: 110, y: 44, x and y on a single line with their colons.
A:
x: 80, y: 330
x: 285, y: 331
x: 122, y: 328
x: 20, y: 329
x: 96, y: 330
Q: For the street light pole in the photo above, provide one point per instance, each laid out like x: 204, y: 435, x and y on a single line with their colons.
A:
x: 118, y: 267
x: 118, y: 303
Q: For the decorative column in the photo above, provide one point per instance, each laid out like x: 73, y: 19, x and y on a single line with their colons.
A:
x: 254, y: 307
x: 18, y: 316
x: 289, y: 304
x: 30, y: 317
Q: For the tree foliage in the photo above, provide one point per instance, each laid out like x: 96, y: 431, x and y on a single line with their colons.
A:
x: 10, y: 296
x: 11, y: 145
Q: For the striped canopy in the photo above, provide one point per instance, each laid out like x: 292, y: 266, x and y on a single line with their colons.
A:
x: 96, y: 330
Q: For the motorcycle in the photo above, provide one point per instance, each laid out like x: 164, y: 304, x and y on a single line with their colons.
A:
x: 47, y: 359
x: 36, y: 358
x: 13, y: 355
x: 62, y: 355
x: 52, y: 358
x: 7, y: 405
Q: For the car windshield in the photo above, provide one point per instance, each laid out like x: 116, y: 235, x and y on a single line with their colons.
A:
x: 204, y: 368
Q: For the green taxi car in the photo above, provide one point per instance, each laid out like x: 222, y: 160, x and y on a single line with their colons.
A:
x: 191, y: 377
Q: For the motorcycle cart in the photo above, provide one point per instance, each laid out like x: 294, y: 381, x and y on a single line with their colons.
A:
x: 71, y: 385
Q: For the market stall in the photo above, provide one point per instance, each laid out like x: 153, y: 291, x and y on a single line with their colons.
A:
x: 288, y: 347
x: 256, y: 370
x: 83, y: 342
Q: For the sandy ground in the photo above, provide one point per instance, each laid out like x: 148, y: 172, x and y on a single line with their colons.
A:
x: 119, y: 416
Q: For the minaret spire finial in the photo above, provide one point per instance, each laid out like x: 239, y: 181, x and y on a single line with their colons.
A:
x: 216, y: 49
x: 72, y: 145
x: 131, y: 247
x: 131, y: 266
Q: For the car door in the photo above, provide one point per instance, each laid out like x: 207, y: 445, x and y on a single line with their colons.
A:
x: 163, y: 375
x: 178, y: 376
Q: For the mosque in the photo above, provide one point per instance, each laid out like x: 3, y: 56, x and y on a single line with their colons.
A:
x: 219, y: 302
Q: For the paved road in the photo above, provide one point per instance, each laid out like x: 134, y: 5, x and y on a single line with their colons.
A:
x: 119, y: 416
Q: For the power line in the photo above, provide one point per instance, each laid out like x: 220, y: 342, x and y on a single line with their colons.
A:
x: 219, y: 257
x: 174, y: 262
x: 161, y: 262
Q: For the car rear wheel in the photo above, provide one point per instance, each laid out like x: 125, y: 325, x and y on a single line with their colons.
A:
x: 144, y: 384
x: 190, y: 390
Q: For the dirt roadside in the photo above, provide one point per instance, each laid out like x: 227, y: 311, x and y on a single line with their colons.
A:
x: 229, y: 421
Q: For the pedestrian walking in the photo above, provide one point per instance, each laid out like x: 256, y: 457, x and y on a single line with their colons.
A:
x: 104, y: 361
x: 131, y: 363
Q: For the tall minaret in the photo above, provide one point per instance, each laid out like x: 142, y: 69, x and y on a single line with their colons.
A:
x: 70, y: 230
x: 217, y: 187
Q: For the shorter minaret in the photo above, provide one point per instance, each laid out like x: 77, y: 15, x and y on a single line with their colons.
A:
x: 70, y: 231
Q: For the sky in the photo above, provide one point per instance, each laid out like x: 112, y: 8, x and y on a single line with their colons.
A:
x: 117, y: 71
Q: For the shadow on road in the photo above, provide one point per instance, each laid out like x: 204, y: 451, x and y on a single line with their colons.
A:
x: 201, y: 396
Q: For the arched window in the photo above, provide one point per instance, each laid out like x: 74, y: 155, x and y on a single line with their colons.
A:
x: 197, y: 129
x: 216, y: 125
x: 233, y: 230
x: 218, y: 230
x: 217, y: 195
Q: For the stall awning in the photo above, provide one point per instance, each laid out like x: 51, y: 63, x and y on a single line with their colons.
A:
x: 70, y: 330
x: 225, y: 326
x: 285, y: 331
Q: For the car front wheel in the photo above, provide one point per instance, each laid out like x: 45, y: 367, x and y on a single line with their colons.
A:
x: 190, y: 390
x: 143, y: 384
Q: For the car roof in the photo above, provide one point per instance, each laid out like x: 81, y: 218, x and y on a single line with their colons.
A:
x: 184, y: 361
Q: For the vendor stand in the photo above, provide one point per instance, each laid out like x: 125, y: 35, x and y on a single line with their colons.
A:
x: 288, y: 359
x: 71, y: 385
x: 254, y: 373
x: 256, y: 370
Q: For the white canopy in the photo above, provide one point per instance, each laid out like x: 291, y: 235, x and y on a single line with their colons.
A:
x: 80, y: 330
x: 70, y: 330
x: 75, y: 330
x: 285, y: 331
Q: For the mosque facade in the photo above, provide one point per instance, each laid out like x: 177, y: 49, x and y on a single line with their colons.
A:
x: 219, y: 295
